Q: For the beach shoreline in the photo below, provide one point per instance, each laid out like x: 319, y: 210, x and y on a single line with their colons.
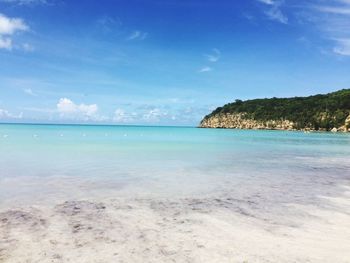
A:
x: 173, y: 230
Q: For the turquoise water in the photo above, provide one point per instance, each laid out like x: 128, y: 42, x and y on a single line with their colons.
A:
x: 265, y: 166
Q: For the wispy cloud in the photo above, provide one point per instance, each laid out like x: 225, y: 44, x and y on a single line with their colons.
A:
x: 332, y: 19
x: 8, y: 27
x: 25, y: 2
x: 107, y: 23
x: 41, y: 110
x: 276, y: 14
x: 155, y: 115
x: 5, y: 43
x: 338, y: 10
x: 159, y: 113
x: 273, y: 11
x: 121, y: 116
x: 27, y: 47
x: 268, y: 2
x: 215, y: 56
x: 342, y: 47
x: 29, y: 91
x: 205, y: 69
x: 137, y: 35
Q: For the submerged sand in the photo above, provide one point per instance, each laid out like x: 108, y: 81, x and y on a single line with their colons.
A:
x: 208, y: 229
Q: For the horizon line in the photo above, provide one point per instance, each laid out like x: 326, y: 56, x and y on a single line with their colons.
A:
x: 95, y: 124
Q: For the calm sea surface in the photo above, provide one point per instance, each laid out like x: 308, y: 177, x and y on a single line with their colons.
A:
x: 267, y: 167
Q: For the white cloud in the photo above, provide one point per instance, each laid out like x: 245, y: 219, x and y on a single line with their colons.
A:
x: 88, y: 110
x: 215, y: 56
x: 68, y: 108
x: 4, y: 114
x: 8, y: 27
x: 205, y: 69
x: 119, y: 115
x: 342, y: 47
x: 138, y: 35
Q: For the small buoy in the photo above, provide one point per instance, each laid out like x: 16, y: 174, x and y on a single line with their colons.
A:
x: 61, y: 135
x: 125, y: 135
x: 84, y: 135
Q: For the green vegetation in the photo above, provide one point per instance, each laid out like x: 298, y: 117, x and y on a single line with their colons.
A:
x: 319, y: 112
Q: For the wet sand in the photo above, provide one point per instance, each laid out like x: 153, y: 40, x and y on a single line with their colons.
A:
x: 222, y: 229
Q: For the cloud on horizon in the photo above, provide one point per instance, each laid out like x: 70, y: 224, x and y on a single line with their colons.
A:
x: 6, y: 115
x: 67, y: 108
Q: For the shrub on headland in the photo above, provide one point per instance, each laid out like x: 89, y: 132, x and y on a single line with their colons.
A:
x: 318, y: 112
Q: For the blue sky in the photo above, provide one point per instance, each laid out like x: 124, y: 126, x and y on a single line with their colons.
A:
x: 164, y: 62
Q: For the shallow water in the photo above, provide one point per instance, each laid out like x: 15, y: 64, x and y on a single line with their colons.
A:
x: 166, y: 194
x: 269, y: 168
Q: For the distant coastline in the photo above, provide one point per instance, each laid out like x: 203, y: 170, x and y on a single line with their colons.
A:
x: 327, y: 112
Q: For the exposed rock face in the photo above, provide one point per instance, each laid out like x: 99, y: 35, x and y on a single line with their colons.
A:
x: 238, y: 121
x: 346, y: 127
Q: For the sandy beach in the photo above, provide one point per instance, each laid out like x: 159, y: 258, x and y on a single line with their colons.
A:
x: 174, y: 230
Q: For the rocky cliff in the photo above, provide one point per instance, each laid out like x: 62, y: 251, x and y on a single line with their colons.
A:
x: 240, y: 121
x: 328, y: 112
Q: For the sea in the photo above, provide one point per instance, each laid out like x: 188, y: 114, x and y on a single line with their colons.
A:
x: 270, y: 169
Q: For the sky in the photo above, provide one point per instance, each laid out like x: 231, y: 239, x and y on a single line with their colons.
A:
x: 164, y: 62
